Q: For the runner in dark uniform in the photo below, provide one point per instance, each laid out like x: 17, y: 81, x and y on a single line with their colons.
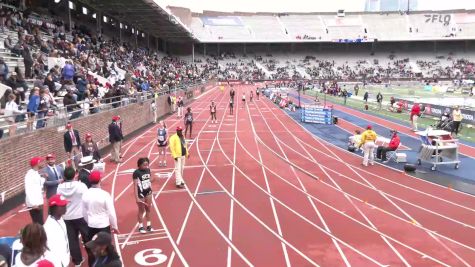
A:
x: 143, y: 192
x: 188, y: 121
x: 232, y: 92
x: 231, y: 106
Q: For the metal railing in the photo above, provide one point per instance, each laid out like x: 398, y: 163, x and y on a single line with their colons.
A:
x: 56, y: 116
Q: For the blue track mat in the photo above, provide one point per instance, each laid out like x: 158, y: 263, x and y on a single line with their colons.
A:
x: 462, y: 179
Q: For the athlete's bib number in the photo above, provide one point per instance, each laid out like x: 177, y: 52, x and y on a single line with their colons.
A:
x: 146, y: 184
x: 161, y: 138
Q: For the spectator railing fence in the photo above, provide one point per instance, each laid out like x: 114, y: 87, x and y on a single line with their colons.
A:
x: 59, y: 116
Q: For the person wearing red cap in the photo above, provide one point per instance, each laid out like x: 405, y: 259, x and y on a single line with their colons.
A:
x: 55, y: 228
x: 34, y: 183
x: 45, y: 263
x: 54, y: 175
x: 179, y: 151
x: 98, y: 209
x: 72, y: 143
x: 35, y: 251
x: 90, y: 148
x: 368, y: 139
x: 115, y: 138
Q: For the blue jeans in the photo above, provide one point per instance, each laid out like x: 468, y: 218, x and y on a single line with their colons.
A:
x: 40, y: 120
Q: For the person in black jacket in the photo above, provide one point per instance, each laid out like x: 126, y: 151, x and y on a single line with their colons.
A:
x: 72, y: 143
x: 115, y: 138
x: 86, y: 164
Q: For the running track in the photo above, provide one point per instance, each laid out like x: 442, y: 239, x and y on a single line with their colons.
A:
x: 262, y: 191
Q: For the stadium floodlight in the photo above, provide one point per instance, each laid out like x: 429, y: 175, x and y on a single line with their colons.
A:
x: 84, y: 11
x: 71, y: 5
x: 121, y: 25
x: 57, y: 1
x: 105, y: 19
x: 94, y: 15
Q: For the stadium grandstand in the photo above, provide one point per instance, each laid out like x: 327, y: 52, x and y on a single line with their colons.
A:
x: 205, y: 133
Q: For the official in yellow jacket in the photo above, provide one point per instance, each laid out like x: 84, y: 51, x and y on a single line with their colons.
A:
x: 179, y: 151
x: 368, y: 139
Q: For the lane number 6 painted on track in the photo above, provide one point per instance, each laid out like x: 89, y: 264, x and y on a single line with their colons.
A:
x: 149, y: 257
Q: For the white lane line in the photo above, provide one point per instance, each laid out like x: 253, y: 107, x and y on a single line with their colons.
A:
x: 311, y: 261
x: 233, y: 178
x: 274, y: 211
x: 404, y: 126
x: 344, y: 258
x: 175, y: 248
x: 195, y: 202
x: 383, y: 194
x: 329, y: 206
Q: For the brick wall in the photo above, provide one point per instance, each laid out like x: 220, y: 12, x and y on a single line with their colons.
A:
x: 15, y: 152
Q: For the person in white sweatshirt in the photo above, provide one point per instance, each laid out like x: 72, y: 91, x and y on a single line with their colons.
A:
x: 55, y: 228
x: 98, y: 209
x: 34, y: 190
x: 73, y: 218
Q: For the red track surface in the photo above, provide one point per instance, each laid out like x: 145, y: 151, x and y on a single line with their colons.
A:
x: 262, y: 191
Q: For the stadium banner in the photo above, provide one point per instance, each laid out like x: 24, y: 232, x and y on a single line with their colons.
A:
x: 316, y: 114
x: 222, y: 21
x: 437, y: 110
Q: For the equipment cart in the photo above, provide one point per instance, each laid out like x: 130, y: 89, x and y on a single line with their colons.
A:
x: 438, y: 148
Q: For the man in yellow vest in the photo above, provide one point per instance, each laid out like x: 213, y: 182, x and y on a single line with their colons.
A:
x: 179, y: 151
x: 368, y: 139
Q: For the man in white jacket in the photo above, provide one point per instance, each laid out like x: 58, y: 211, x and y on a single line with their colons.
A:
x: 74, y: 220
x: 98, y: 209
x: 34, y: 190
x: 56, y: 231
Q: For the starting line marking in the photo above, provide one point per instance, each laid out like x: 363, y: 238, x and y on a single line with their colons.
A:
x: 135, y: 242
x: 210, y: 192
x: 165, y: 175
x: 137, y: 234
x: 171, y: 191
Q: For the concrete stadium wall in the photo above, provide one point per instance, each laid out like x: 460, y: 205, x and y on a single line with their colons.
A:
x: 15, y: 152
